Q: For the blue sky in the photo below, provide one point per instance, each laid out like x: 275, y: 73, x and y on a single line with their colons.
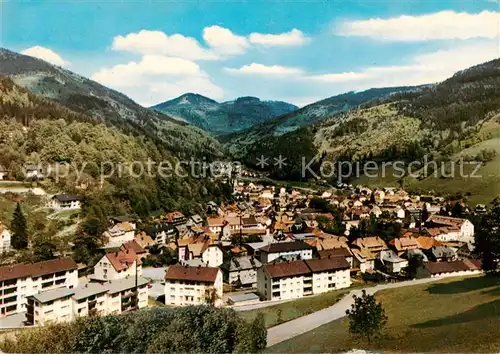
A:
x: 297, y: 51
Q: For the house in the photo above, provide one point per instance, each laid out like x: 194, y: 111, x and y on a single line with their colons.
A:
x: 19, y: 281
x: 212, y: 256
x: 117, y: 265
x: 392, y: 262
x: 3, y: 172
x: 464, y: 226
x: 64, y: 305
x: 65, y: 202
x: 197, y: 220
x: 33, y: 171
x: 403, y: 244
x: 453, y: 268
x: 441, y: 253
x: 164, y: 233
x: 185, y: 285
x: 363, y: 260
x: 372, y: 244
x: 120, y: 233
x: 295, y: 279
x: 242, y: 271
x: 4, y: 238
x: 176, y: 219
x: 294, y: 249
x: 144, y: 240
x: 338, y: 252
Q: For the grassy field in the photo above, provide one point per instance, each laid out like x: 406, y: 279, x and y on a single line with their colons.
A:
x: 453, y: 315
x: 297, y: 308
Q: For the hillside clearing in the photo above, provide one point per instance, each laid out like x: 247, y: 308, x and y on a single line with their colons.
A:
x: 452, y: 315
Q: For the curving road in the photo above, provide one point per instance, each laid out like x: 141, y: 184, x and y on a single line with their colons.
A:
x: 309, y: 322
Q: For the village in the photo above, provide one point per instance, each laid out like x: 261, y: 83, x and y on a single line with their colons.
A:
x: 271, y: 244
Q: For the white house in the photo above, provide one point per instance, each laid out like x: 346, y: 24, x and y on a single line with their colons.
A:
x: 65, y: 202
x: 118, y: 265
x: 33, y: 171
x: 295, y: 249
x: 4, y: 238
x: 465, y: 229
x: 329, y: 274
x: 212, y: 256
x: 185, y: 285
x: 19, y: 281
x: 120, y: 233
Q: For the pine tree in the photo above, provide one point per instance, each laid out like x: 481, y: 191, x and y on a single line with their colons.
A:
x: 487, y: 238
x: 19, y: 229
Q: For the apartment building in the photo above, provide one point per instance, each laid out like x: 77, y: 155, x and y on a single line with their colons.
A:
x: 19, y: 281
x: 295, y: 279
x: 186, y: 285
x: 294, y: 249
x: 64, y: 305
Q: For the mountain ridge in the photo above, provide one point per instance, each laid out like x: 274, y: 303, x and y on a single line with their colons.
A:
x: 222, y: 117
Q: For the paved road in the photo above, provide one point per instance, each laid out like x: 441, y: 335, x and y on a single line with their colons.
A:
x: 307, y: 323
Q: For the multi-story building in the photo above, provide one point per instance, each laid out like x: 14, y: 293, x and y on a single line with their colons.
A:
x: 242, y: 271
x: 295, y: 249
x: 185, y: 285
x: 4, y: 239
x: 295, y: 279
x: 63, y: 304
x: 461, y: 230
x: 212, y: 256
x: 120, y: 233
x: 19, y: 281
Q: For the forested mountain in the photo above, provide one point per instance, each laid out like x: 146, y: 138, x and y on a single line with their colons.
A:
x: 239, y: 142
x: 85, y: 96
x: 456, y: 118
x: 225, y: 117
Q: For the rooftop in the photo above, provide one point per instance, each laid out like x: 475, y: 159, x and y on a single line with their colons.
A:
x: 51, y: 295
x: 201, y: 274
x: 37, y: 269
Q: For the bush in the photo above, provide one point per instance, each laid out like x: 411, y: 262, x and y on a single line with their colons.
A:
x: 191, y: 329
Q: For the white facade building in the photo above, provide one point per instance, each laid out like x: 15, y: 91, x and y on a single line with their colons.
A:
x: 19, y: 281
x: 212, y: 256
x: 64, y: 305
x: 118, y: 265
x: 120, y: 233
x: 295, y: 279
x: 4, y: 239
x: 65, y: 202
x: 185, y: 285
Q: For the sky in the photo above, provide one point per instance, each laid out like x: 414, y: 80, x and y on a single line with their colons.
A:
x: 289, y: 50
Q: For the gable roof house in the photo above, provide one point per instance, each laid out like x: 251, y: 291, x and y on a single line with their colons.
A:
x: 118, y: 265
x: 371, y: 243
x: 65, y: 202
x: 294, y: 249
x: 403, y: 244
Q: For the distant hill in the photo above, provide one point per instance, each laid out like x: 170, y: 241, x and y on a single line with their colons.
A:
x: 457, y: 118
x: 225, y: 117
x: 103, y: 104
x: 239, y: 142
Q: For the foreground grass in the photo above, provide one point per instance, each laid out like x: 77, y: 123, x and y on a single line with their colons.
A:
x: 453, y: 315
x: 287, y: 311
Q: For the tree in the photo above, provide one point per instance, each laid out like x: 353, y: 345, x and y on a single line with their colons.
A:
x: 211, y: 296
x: 366, y: 317
x: 253, y: 338
x: 415, y: 262
x: 19, y: 229
x: 487, y: 238
x: 457, y: 210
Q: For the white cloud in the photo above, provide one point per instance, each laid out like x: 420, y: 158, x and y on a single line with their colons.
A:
x: 435, y: 26
x: 46, y: 54
x: 260, y: 69
x: 223, y: 41
x: 424, y: 68
x: 293, y: 38
x: 157, y: 42
x: 158, y: 78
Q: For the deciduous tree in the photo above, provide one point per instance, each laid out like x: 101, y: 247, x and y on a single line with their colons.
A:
x: 366, y: 317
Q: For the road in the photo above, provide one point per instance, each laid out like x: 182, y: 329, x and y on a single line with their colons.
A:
x: 307, y: 323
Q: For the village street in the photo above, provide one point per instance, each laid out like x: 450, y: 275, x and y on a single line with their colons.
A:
x: 309, y: 322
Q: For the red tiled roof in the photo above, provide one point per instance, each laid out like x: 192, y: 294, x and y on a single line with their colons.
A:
x: 287, y: 269
x: 201, y: 274
x: 134, y: 246
x: 37, y: 269
x: 122, y: 259
x: 335, y: 252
